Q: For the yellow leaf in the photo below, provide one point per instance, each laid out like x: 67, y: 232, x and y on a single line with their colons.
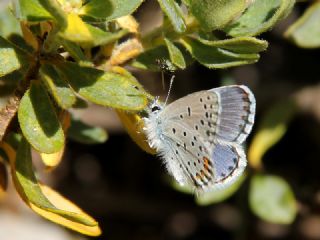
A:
x: 133, y: 123
x: 52, y: 160
x: 272, y: 128
x: 76, y: 29
x: 128, y: 22
x: 28, y: 36
x: 60, y: 203
x: 64, y: 204
x: 3, y: 178
x: 126, y: 51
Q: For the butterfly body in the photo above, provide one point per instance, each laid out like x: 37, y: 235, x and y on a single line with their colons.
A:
x: 199, y: 136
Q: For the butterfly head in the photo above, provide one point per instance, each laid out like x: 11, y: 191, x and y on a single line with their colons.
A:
x: 155, y: 107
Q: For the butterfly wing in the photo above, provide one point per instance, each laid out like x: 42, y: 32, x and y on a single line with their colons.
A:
x: 204, y: 131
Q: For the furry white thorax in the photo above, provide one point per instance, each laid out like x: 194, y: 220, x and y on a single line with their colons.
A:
x: 152, y: 125
x: 154, y: 131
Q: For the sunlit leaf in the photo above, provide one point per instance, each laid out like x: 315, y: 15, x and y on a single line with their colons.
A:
x: 125, y: 51
x: 59, y: 89
x: 176, y: 55
x: 133, y: 124
x: 174, y: 13
x: 305, y: 32
x: 128, y: 22
x: 11, y: 58
x: 216, y: 14
x: 52, y: 160
x: 104, y: 88
x: 260, y: 16
x: 47, y: 203
x: 109, y: 10
x: 272, y: 128
x: 38, y: 120
x: 212, y: 56
x: 9, y: 25
x: 271, y: 198
x: 32, y: 10
x: 87, y: 35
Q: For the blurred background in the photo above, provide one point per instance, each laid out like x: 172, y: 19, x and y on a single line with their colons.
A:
x: 129, y: 192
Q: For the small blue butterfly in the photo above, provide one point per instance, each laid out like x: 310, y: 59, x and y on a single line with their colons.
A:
x: 200, y: 136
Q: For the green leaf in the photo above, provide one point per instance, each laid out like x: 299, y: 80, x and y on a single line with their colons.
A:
x: 86, y: 134
x: 241, y: 45
x: 270, y: 131
x: 305, y: 32
x: 54, y: 8
x: 271, y: 198
x: 31, y: 190
x: 219, y: 194
x: 39, y: 122
x: 110, y: 9
x: 33, y: 11
x: 212, y: 55
x: 76, y: 52
x: 9, y: 25
x: 59, y: 89
x: 260, y: 16
x: 176, y: 55
x: 11, y: 58
x: 149, y: 60
x: 86, y: 35
x: 213, y: 15
x: 104, y: 88
x: 174, y: 13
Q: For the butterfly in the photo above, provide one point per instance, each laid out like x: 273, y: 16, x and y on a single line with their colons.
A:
x: 200, y: 136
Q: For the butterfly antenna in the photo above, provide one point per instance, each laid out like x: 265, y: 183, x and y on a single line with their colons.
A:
x: 162, y: 80
x: 170, y: 86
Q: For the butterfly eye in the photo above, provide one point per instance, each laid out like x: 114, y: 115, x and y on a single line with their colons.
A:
x: 155, y: 108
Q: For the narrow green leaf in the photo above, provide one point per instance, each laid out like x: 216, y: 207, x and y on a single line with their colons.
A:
x: 174, y: 13
x: 31, y: 190
x: 214, y: 57
x: 216, y: 14
x: 76, y: 52
x: 176, y: 55
x: 59, y: 89
x: 271, y: 198
x: 242, y: 45
x: 109, y: 10
x: 11, y: 58
x: 86, y: 134
x: 305, y: 32
x: 104, y: 88
x: 260, y: 16
x: 270, y: 131
x: 39, y: 122
x: 33, y: 11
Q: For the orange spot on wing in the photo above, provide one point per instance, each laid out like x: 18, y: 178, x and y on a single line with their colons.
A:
x: 206, y: 163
